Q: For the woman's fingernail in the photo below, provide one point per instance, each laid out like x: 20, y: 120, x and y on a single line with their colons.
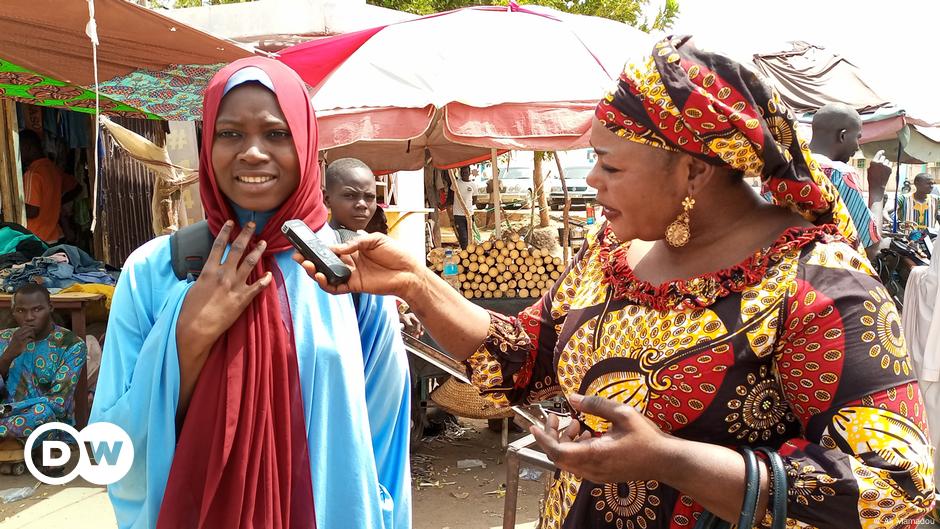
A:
x: 250, y: 225
x: 575, y: 398
x: 228, y: 224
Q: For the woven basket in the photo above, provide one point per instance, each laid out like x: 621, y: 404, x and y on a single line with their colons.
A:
x: 465, y: 400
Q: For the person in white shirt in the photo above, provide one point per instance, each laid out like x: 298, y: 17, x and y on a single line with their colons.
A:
x: 920, y: 320
x: 463, y: 206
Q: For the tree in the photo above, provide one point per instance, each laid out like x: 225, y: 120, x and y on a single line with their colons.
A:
x: 626, y: 11
x: 538, y: 182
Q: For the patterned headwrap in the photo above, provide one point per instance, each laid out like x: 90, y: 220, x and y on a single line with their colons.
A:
x: 685, y: 99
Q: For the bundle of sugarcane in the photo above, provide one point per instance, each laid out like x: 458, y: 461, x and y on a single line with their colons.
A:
x: 502, y: 268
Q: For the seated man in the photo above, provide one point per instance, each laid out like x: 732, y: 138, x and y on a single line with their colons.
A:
x: 40, y: 364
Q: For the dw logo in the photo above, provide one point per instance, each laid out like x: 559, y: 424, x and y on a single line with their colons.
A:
x: 105, y: 453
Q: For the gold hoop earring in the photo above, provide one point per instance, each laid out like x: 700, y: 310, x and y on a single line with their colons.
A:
x: 677, y: 233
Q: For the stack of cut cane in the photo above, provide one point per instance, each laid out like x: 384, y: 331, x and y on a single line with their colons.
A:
x: 503, y: 268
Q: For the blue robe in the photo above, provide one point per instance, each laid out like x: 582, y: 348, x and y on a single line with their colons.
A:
x: 41, y: 382
x: 355, y: 393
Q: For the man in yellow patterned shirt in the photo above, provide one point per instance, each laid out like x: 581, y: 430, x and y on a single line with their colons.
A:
x: 920, y: 208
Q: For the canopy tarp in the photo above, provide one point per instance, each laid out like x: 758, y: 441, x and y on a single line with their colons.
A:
x: 809, y: 77
x: 917, y: 144
x: 173, y: 93
x: 149, y: 65
x: 399, y: 95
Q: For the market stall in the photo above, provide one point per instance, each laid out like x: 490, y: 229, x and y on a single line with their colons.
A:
x: 59, y: 72
x: 421, y: 109
x: 148, y: 65
x: 808, y: 77
x: 421, y: 106
x: 112, y: 57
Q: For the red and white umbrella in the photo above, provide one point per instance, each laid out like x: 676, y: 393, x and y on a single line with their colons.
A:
x: 455, y: 85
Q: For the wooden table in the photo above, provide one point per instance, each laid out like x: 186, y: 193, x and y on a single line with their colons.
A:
x: 75, y: 303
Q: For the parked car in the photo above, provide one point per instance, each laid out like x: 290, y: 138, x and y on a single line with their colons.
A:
x: 516, y: 179
x: 578, y: 189
x: 515, y: 185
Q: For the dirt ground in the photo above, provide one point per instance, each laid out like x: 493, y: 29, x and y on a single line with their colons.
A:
x: 42, y: 492
x: 451, y: 498
x: 445, y: 497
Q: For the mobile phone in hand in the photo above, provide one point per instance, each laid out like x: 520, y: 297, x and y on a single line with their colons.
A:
x: 313, y: 250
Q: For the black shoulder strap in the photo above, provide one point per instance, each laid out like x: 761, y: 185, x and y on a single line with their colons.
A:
x: 189, y: 249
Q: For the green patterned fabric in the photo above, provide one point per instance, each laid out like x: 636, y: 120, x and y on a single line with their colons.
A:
x: 174, y: 93
x: 26, y: 86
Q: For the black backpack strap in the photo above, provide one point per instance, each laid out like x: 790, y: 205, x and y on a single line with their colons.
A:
x: 189, y: 249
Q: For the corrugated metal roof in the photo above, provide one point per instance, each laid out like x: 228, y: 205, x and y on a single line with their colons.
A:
x: 126, y: 192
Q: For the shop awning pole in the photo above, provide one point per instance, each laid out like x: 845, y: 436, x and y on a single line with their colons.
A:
x: 566, y: 212
x: 495, y: 196
x: 91, y: 30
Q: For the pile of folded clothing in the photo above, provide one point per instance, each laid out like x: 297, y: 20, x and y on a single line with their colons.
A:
x: 57, y: 268
x: 18, y: 245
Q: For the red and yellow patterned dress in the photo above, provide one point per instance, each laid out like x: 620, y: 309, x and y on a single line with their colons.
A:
x: 798, y: 348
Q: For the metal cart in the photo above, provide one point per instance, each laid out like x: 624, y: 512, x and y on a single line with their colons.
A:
x: 426, y: 376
